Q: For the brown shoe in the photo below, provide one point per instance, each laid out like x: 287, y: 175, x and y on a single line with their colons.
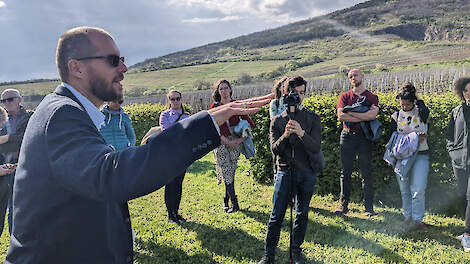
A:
x: 419, y: 226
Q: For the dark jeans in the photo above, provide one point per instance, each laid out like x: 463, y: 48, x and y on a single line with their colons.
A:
x: 4, y: 197
x: 173, y: 191
x: 353, y: 144
x: 463, y: 178
x: 303, y: 190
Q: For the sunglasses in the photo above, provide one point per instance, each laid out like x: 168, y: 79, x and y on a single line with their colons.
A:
x: 112, y: 59
x: 176, y: 99
x: 11, y: 99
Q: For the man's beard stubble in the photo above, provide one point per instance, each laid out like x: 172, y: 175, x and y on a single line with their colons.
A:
x: 103, y: 90
x: 357, y: 84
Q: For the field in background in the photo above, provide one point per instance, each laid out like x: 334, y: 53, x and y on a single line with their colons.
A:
x: 432, y: 66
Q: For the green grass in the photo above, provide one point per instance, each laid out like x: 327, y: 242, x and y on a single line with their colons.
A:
x: 212, y: 236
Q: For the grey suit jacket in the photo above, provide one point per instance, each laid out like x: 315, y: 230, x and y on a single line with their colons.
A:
x: 71, y: 188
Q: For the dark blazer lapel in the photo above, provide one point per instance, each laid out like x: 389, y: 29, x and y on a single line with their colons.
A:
x: 62, y: 90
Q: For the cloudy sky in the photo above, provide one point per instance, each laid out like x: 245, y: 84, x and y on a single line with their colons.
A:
x: 142, y: 28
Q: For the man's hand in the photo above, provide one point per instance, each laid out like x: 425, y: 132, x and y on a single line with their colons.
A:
x: 4, y: 139
x: 231, y: 143
x: 243, y: 107
x: 293, y: 127
x: 7, y: 169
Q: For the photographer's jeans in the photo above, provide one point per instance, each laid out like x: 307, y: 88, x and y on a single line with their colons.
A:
x: 352, y: 144
x: 413, y: 188
x: 303, y: 188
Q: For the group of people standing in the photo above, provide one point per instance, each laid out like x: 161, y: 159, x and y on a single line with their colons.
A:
x: 71, y: 187
x: 407, y: 151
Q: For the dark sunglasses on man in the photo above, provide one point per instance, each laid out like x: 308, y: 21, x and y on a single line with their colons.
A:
x: 112, y: 59
x: 7, y: 100
x: 175, y: 99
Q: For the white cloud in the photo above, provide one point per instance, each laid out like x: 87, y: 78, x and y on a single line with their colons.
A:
x: 280, y: 11
x: 212, y: 19
x: 143, y: 29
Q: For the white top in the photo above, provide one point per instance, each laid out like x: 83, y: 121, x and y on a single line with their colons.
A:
x: 411, y: 122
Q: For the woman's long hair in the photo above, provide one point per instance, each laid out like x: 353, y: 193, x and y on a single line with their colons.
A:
x: 277, y: 89
x: 216, y: 94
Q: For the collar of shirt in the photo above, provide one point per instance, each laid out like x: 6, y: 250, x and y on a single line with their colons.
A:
x: 95, y: 114
x: 175, y: 112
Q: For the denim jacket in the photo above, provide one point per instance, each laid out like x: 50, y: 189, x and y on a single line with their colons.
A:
x: 400, y: 152
x: 243, y: 129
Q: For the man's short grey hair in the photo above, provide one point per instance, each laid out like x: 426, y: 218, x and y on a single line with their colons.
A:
x: 75, y: 44
x: 13, y: 91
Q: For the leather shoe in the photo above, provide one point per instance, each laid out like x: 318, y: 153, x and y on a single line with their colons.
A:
x: 266, y: 260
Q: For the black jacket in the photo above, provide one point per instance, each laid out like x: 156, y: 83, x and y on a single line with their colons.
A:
x: 14, y: 141
x: 457, y: 138
x: 305, y: 148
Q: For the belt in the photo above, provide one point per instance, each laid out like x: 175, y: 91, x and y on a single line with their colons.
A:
x: 353, y: 132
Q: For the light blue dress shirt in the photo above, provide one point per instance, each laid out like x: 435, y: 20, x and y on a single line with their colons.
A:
x: 95, y: 114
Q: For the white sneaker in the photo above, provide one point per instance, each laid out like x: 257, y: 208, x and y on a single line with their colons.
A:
x: 466, y: 243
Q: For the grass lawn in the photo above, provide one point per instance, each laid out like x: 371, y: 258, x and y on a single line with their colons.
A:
x: 212, y: 236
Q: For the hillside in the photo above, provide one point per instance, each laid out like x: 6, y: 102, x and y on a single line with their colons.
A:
x: 409, y: 20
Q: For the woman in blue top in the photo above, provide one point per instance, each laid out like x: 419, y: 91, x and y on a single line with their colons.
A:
x: 117, y: 129
x: 277, y: 106
x: 174, y: 189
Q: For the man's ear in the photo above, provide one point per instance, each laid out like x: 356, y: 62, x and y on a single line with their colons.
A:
x: 76, y: 69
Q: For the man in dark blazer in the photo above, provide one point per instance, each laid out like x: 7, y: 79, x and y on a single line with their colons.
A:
x: 71, y: 189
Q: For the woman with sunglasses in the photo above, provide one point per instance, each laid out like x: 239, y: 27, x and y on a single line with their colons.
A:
x: 174, y: 189
x: 117, y: 129
x: 227, y: 154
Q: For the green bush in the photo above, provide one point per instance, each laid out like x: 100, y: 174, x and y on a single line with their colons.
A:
x: 145, y: 116
x: 441, y: 188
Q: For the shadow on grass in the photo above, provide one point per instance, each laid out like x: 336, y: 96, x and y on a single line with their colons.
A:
x: 439, y: 234
x: 230, y: 242
x: 281, y: 255
x: 335, y: 236
x: 165, y: 254
x: 393, y: 226
x: 201, y: 166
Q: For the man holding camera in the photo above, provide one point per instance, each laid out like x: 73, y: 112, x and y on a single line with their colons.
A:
x: 295, y: 138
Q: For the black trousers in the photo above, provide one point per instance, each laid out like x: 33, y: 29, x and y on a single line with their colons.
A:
x: 4, y: 197
x: 351, y: 145
x: 463, y: 178
x: 173, y: 192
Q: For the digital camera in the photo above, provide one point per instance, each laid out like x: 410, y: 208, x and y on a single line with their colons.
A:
x: 291, y: 99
